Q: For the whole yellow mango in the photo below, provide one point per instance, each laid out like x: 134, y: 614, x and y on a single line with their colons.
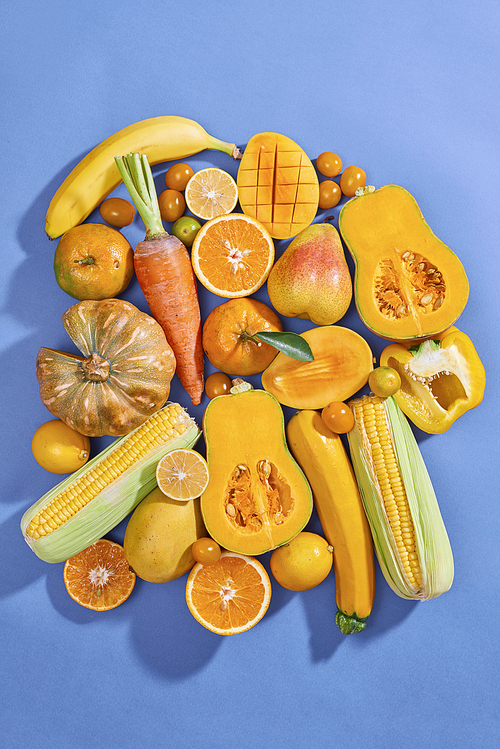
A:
x: 159, y: 536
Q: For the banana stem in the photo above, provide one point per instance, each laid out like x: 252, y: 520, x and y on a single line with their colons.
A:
x: 137, y: 177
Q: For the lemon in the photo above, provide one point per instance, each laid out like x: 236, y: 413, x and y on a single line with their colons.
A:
x: 182, y: 474
x: 211, y: 192
x: 58, y: 448
x: 302, y: 563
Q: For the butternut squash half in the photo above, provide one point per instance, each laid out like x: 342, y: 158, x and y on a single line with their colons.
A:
x: 408, y: 284
x: 257, y: 497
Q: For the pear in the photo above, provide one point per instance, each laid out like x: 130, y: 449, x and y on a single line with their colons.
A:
x: 311, y: 279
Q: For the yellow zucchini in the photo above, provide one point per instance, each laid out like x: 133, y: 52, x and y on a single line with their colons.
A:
x: 323, y: 458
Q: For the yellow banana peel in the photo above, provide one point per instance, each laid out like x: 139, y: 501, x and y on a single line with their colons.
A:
x: 164, y: 138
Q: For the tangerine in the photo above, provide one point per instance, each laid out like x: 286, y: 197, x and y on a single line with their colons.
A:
x: 99, y: 577
x: 228, y: 336
x: 93, y: 261
x: 384, y: 381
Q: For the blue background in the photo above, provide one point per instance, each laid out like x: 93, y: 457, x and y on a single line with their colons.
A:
x: 407, y: 90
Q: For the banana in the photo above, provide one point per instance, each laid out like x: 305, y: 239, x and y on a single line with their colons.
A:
x: 163, y: 138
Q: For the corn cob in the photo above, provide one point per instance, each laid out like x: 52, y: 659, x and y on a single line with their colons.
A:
x: 409, y: 535
x: 88, y: 504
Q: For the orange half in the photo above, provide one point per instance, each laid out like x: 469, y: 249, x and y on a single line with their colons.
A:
x: 230, y: 596
x: 99, y: 577
x: 232, y: 255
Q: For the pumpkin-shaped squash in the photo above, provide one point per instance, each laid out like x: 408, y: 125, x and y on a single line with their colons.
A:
x: 408, y: 284
x: 123, y: 377
x: 257, y: 497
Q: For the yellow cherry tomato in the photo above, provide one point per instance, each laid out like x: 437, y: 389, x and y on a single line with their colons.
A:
x: 117, y: 212
x: 338, y: 417
x: 172, y: 205
x: 216, y: 384
x: 329, y: 193
x: 205, y: 551
x: 329, y: 164
x: 177, y: 177
x: 351, y: 178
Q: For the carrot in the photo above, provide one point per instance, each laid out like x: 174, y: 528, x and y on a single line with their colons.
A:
x: 163, y: 268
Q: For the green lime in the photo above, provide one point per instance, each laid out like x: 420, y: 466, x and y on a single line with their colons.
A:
x: 186, y: 228
x: 384, y: 381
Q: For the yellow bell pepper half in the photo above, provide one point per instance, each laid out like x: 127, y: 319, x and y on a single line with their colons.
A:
x: 440, y: 379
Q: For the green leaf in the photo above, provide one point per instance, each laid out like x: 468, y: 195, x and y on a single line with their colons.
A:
x: 291, y: 344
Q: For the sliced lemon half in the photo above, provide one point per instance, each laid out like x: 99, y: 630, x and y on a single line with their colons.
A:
x: 211, y: 192
x: 182, y: 474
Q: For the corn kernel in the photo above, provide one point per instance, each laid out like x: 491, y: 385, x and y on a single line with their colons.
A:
x: 372, y: 420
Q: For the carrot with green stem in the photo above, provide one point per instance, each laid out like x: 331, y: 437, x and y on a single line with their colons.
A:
x: 163, y: 268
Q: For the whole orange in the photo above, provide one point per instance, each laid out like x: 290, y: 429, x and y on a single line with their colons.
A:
x: 93, y: 261
x: 228, y: 336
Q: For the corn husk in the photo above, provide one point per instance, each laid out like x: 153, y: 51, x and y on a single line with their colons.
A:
x: 432, y: 542
x: 112, y: 504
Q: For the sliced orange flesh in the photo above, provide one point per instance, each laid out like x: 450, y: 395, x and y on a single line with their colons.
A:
x: 278, y: 185
x: 99, y: 577
x: 230, y: 596
x: 232, y: 255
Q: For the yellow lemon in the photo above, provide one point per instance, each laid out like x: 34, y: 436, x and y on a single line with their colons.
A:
x: 211, y: 192
x: 58, y: 448
x: 302, y: 563
x: 182, y: 474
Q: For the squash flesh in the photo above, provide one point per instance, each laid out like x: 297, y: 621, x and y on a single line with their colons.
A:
x: 257, y: 497
x: 408, y: 284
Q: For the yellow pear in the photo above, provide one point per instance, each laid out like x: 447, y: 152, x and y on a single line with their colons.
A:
x: 311, y: 279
